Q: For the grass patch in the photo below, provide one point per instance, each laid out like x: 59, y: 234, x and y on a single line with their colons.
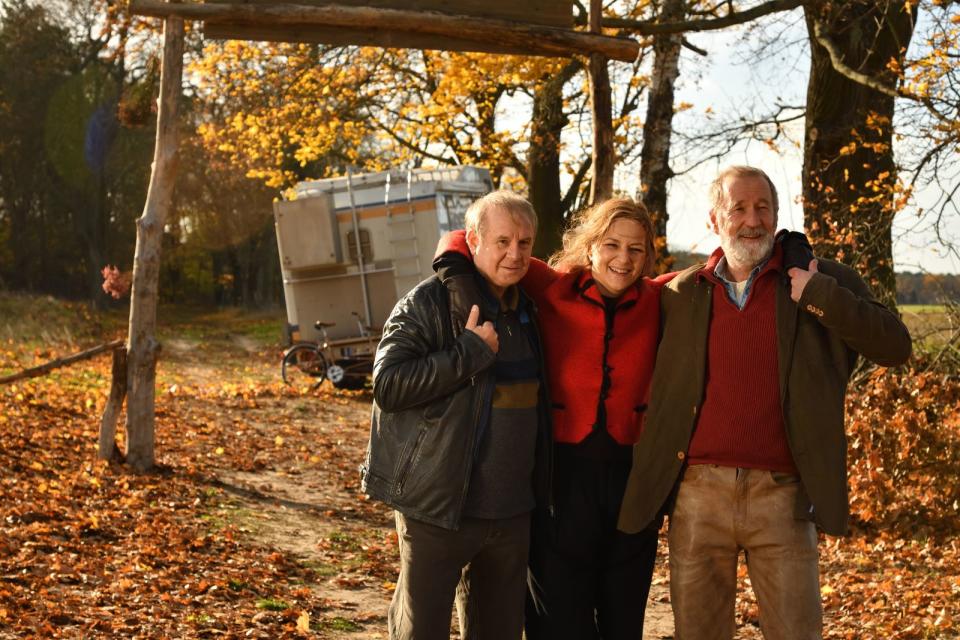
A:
x: 931, y: 325
x: 322, y: 569
x: 237, y: 585
x: 200, y: 618
x: 231, y: 514
x: 344, y: 541
x: 203, y: 325
x: 31, y: 321
x: 341, y: 624
x: 272, y: 604
x: 923, y: 308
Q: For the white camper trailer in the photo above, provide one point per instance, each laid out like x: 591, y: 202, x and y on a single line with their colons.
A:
x: 351, y: 246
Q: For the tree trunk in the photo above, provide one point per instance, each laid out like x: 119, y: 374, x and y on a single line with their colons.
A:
x: 850, y: 178
x: 655, y: 169
x: 543, y: 158
x: 143, y: 346
x: 107, y: 445
x: 601, y: 110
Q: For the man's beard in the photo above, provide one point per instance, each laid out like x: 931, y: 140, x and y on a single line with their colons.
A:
x: 747, y: 253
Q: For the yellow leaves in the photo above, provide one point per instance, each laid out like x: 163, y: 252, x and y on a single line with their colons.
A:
x: 920, y: 89
x: 848, y: 149
x: 278, y: 441
x: 219, y: 451
x: 303, y: 622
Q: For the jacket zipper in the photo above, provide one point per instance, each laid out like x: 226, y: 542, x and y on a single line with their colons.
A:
x: 472, y: 445
x: 408, y: 465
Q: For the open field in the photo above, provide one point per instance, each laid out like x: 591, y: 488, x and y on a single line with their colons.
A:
x: 931, y: 325
x: 254, y: 527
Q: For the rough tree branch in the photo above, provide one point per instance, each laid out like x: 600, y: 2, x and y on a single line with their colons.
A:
x: 841, y: 67
x: 652, y: 28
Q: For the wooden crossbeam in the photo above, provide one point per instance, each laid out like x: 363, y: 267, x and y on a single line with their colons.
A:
x: 47, y: 367
x: 519, y: 37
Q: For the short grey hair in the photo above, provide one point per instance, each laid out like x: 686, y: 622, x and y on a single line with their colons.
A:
x: 739, y: 171
x: 515, y: 204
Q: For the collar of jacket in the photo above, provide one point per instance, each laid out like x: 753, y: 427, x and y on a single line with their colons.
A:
x: 586, y: 288
x: 774, y: 263
x: 514, y: 299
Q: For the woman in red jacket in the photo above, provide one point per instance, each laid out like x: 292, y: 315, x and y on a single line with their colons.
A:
x: 599, y: 320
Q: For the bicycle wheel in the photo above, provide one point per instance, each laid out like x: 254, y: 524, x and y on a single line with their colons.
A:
x: 303, y: 366
x: 352, y: 373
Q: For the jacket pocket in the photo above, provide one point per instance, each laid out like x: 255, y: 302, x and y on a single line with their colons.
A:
x: 409, y: 460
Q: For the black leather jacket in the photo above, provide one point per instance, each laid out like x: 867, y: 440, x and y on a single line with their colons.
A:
x: 430, y: 382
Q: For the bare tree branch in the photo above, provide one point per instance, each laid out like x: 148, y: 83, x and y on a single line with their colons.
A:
x: 650, y: 27
x: 570, y: 196
x: 841, y: 67
x: 689, y: 45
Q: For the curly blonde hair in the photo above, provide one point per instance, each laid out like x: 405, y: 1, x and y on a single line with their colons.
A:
x: 588, y: 226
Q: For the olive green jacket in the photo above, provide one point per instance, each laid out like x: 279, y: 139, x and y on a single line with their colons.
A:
x: 818, y: 341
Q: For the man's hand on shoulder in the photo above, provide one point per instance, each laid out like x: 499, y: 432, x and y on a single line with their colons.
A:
x: 486, y: 331
x: 799, y: 279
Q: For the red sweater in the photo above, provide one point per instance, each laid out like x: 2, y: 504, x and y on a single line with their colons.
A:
x: 741, y: 421
x: 575, y: 341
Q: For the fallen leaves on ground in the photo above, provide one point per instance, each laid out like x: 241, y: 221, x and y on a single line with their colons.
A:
x: 90, y: 549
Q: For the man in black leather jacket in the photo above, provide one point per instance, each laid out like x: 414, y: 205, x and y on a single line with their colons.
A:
x: 459, y: 442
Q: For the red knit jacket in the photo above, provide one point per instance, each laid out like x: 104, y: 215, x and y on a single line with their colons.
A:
x: 573, y: 331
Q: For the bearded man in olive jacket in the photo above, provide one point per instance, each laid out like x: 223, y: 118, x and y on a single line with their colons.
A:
x: 744, y: 444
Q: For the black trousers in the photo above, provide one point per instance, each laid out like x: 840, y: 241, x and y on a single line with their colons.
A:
x: 483, y: 565
x: 590, y: 580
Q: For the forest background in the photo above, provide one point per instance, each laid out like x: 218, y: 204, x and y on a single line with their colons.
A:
x: 253, y: 524
x: 78, y: 82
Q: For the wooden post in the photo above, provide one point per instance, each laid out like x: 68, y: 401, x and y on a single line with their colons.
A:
x: 107, y: 448
x: 601, y: 186
x: 143, y: 347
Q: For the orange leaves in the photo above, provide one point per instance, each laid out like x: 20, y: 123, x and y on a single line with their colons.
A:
x: 848, y: 149
x: 904, y: 462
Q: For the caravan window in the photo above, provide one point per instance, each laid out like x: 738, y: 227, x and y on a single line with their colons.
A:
x: 451, y: 207
x: 364, y: 245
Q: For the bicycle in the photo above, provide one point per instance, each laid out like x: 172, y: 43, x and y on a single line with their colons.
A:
x: 306, y: 365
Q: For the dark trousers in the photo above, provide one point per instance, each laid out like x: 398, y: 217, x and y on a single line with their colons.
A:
x: 591, y: 581
x: 483, y: 565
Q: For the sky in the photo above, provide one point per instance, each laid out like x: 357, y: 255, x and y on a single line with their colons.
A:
x: 730, y: 81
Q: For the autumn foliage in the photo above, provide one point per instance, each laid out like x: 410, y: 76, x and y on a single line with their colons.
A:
x: 254, y: 525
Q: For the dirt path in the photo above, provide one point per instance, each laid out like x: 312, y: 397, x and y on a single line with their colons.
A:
x: 313, y: 511
x: 289, y: 513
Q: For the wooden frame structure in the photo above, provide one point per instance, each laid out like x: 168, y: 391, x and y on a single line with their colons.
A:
x: 529, y: 27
